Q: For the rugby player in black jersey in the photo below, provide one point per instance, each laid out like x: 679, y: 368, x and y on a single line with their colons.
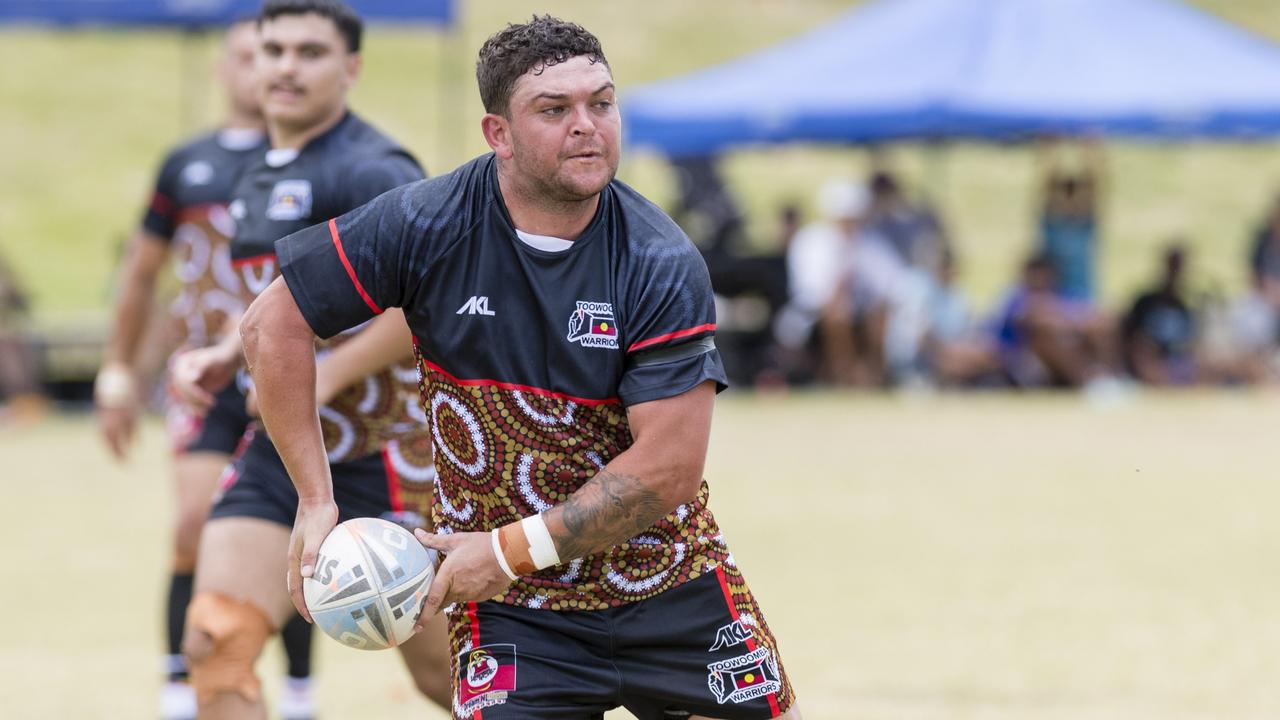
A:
x: 565, y: 334
x: 187, y: 219
x: 323, y: 160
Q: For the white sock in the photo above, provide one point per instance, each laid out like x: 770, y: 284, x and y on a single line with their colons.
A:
x: 177, y: 701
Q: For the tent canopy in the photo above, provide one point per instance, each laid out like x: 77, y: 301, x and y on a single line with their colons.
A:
x: 989, y: 69
x: 199, y: 13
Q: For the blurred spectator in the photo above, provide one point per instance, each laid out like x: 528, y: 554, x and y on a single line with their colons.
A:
x: 1046, y: 339
x: 913, y: 230
x: 1264, y: 260
x: 20, y: 396
x: 1158, y: 334
x: 957, y: 350
x: 1068, y: 222
x: 705, y: 209
x: 842, y: 281
x: 1241, y: 342
x: 788, y: 226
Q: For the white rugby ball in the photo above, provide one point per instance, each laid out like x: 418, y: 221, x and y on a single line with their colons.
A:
x: 370, y: 580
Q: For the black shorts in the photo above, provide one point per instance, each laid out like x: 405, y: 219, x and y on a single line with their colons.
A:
x: 257, y: 485
x: 219, y: 431
x: 701, y: 648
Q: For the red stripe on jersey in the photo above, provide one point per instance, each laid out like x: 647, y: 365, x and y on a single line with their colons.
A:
x: 198, y: 212
x: 393, y: 481
x: 709, y: 327
x: 253, y: 260
x: 474, y: 613
x: 351, y: 273
x: 161, y: 204
x: 521, y: 388
x: 751, y: 641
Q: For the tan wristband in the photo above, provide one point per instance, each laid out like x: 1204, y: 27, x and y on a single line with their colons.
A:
x: 502, y: 561
x: 515, y: 548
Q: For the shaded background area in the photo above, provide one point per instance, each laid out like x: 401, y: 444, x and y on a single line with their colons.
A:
x: 89, y: 114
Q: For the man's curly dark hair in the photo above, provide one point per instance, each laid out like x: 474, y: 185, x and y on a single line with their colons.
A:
x: 536, y: 45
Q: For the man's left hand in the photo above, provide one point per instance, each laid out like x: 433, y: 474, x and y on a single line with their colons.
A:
x: 470, y: 571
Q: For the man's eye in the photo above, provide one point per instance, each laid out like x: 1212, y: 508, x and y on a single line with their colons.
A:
x: 604, y: 104
x: 552, y: 111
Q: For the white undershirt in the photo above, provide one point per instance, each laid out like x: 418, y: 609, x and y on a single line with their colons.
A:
x: 544, y: 242
x: 279, y: 157
x: 239, y: 138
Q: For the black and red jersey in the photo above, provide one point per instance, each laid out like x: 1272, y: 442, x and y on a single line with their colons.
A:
x: 282, y: 191
x: 529, y: 356
x: 188, y: 209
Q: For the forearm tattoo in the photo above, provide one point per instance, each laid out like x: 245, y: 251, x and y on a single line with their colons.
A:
x: 607, y: 510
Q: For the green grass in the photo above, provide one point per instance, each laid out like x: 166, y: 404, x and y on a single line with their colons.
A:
x: 86, y: 117
x: 955, y: 557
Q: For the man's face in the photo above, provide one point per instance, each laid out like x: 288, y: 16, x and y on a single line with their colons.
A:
x: 565, y: 129
x: 236, y: 69
x: 304, y: 69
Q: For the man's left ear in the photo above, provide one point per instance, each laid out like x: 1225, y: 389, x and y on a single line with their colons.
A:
x: 355, y: 62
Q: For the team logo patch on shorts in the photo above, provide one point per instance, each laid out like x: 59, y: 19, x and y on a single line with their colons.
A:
x: 745, y: 677
x: 485, y: 675
x: 592, y: 325
x: 290, y: 200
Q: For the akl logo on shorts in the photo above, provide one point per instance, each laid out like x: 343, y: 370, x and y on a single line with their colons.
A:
x: 745, y: 677
x: 735, y: 633
x: 486, y: 674
x: 592, y: 325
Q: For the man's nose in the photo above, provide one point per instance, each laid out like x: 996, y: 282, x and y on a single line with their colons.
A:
x: 581, y: 122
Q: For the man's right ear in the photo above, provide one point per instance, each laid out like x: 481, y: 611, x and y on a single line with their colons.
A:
x: 497, y: 132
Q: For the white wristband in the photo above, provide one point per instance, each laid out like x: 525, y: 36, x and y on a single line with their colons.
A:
x: 502, y: 561
x: 542, y: 549
x: 114, y: 387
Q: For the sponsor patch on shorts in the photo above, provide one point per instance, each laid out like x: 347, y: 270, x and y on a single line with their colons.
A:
x: 486, y: 674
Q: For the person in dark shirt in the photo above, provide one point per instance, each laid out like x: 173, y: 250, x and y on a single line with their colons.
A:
x: 1158, y: 334
x: 565, y: 334
x: 323, y: 160
x: 187, y: 222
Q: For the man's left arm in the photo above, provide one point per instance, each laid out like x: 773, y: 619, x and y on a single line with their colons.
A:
x: 660, y: 471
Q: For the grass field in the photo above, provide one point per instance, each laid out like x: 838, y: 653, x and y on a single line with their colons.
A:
x: 944, y: 558
x: 86, y: 116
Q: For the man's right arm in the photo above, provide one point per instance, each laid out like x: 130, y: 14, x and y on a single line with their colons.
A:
x: 279, y: 348
x: 115, y: 391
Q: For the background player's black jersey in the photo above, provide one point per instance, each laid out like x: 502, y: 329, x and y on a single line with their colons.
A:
x: 283, y: 191
x: 189, y: 210
x: 529, y: 358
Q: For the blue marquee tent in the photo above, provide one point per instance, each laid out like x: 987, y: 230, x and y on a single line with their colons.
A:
x: 990, y: 69
x: 198, y: 13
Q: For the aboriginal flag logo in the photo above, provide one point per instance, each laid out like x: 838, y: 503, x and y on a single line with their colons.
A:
x: 745, y: 677
x: 591, y: 324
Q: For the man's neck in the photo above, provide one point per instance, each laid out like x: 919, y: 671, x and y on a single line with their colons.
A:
x: 244, y: 121
x: 284, y: 136
x: 539, y: 215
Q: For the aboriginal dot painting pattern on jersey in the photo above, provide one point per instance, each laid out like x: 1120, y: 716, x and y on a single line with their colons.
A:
x: 211, y: 288
x: 503, y: 453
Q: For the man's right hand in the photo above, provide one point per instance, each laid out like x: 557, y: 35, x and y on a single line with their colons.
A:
x: 313, y: 524
x: 116, y: 425
x: 115, y: 396
x: 197, y: 374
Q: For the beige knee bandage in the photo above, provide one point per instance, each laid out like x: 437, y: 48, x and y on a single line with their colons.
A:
x: 238, y: 631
